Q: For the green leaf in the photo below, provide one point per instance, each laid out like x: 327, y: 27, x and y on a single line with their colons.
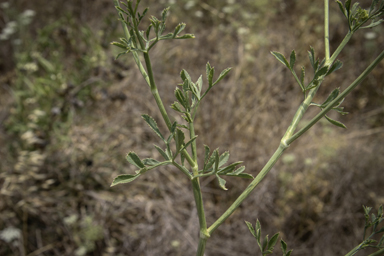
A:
x: 217, y: 160
x: 152, y: 123
x: 348, y: 5
x: 320, y: 73
x: 336, y: 66
x: 272, y: 242
x: 166, y: 157
x: 206, y: 155
x: 340, y: 111
x: 122, y: 10
x: 251, y: 229
x: 135, y: 160
x: 221, y: 182
x: 311, y: 54
x: 164, y: 14
x: 341, y: 6
x: 148, y: 31
x: 186, y: 36
x: 265, y: 243
x: 178, y: 29
x: 211, y: 160
x: 179, y: 139
x: 150, y: 162
x: 124, y: 178
x: 181, y: 98
x: 292, y: 59
x: 334, y: 122
x: 281, y: 58
x: 120, y: 45
x: 188, y: 143
x: 374, y: 24
x: 223, y: 158
x: 167, y: 36
x: 222, y: 75
x: 176, y: 106
x: 302, y: 75
x: 230, y: 167
x: 283, y: 246
x: 199, y: 85
x: 331, y: 97
x: 185, y: 76
x: 210, y: 71
x: 241, y: 175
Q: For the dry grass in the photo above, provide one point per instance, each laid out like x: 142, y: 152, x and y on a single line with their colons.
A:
x: 313, y: 196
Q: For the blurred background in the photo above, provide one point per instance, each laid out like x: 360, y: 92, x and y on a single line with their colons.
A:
x: 70, y: 112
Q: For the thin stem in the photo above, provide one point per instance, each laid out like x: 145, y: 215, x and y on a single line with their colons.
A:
x: 337, y: 99
x: 272, y: 161
x: 326, y: 29
x: 379, y: 252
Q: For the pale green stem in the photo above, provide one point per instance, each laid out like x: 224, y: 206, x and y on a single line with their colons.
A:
x: 337, y: 99
x: 378, y: 253
x: 326, y: 29
x: 250, y: 188
x: 203, y: 236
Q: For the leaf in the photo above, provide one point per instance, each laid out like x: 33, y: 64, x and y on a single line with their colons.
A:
x: 311, y: 54
x: 150, y: 162
x: 265, y: 243
x: 179, y: 140
x: 167, y: 36
x: 221, y: 182
x: 166, y: 157
x: 120, y: 45
x: 283, y: 246
x: 122, y: 10
x: 135, y: 160
x: 272, y: 242
x: 186, y: 36
x: 331, y: 97
x: 374, y: 24
x: 188, y: 143
x: 217, y: 160
x: 178, y: 29
x: 206, y: 155
x: 320, y: 73
x: 222, y: 75
x: 334, y: 122
x: 124, y: 178
x: 152, y: 123
x: 281, y: 58
x: 251, y: 229
x: 223, y: 158
x: 181, y: 98
x: 336, y: 66
x: 302, y: 75
x: 164, y: 14
x: 148, y: 31
x: 230, y: 167
x: 292, y: 59
x: 199, y: 86
x: 210, y: 71
x: 341, y: 6
x: 347, y: 5
x: 211, y: 160
x: 241, y: 175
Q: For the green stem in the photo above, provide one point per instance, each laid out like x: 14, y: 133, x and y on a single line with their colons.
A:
x: 198, y: 197
x: 326, y: 29
x: 379, y: 252
x: 272, y: 161
x: 337, y: 99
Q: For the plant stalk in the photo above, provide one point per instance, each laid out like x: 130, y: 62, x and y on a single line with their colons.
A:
x: 337, y: 99
x: 326, y: 29
x: 272, y: 161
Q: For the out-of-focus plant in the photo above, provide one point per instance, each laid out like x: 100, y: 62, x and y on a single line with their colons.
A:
x: 180, y: 149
